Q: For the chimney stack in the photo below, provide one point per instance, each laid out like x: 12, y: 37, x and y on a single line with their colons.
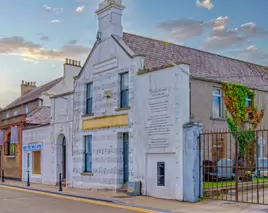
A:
x: 71, y: 68
x: 25, y: 87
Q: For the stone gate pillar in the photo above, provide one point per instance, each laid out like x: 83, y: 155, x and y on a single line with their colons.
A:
x: 192, y: 174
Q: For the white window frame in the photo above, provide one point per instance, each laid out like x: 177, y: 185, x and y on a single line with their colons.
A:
x: 7, y: 116
x: 221, y: 102
x: 27, y: 110
x: 15, y: 113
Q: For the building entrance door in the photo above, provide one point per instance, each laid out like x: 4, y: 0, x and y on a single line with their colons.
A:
x: 125, y: 157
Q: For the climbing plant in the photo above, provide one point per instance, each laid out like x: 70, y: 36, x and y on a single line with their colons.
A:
x: 242, y: 119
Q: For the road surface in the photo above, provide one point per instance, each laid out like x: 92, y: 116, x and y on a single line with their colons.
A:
x: 13, y: 201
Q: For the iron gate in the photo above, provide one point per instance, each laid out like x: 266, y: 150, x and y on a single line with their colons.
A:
x: 232, y: 170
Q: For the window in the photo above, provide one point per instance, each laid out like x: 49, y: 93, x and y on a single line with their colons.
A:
x: 160, y: 174
x: 88, y: 153
x: 7, y: 116
x: 27, y: 110
x: 36, y: 161
x: 217, y: 105
x: 248, y: 102
x: 10, y: 149
x: 15, y: 113
x: 89, y: 99
x: 124, y: 83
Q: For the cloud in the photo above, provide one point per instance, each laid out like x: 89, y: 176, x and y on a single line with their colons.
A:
x: 251, y: 29
x: 30, y: 60
x: 52, y: 9
x: 80, y: 9
x: 206, y: 4
x: 219, y: 22
x: 44, y: 38
x: 72, y: 42
x: 184, y: 29
x: 252, y: 54
x: 220, y: 38
x: 55, y: 21
x: 17, y: 45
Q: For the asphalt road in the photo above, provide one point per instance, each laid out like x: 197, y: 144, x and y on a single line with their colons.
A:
x: 12, y: 201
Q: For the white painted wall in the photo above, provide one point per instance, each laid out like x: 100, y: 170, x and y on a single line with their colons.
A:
x: 162, y: 93
x: 39, y: 135
x: 103, y: 68
x: 62, y: 125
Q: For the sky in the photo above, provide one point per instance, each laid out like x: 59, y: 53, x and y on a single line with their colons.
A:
x: 37, y: 35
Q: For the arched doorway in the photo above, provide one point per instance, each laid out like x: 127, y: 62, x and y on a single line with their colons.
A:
x: 61, y: 155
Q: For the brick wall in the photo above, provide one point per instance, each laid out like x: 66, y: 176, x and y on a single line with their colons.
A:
x: 12, y: 164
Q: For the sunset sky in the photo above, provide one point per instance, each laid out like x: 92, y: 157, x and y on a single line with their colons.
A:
x: 36, y: 35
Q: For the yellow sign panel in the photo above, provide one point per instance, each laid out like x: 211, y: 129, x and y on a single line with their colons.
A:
x: 106, y: 122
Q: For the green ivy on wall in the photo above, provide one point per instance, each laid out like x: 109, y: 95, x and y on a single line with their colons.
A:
x: 242, y: 120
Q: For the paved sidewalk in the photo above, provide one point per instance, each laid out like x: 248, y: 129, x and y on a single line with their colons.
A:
x: 149, y: 202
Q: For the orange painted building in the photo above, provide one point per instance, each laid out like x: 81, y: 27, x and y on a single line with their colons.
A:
x: 11, y: 154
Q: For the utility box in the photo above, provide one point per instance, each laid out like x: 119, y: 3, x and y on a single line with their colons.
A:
x: 134, y: 188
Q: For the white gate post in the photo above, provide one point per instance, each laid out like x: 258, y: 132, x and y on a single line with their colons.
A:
x: 191, y: 162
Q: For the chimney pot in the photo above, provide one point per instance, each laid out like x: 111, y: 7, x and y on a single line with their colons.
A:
x: 79, y: 63
x: 70, y: 61
x: 66, y: 60
x: 22, y: 82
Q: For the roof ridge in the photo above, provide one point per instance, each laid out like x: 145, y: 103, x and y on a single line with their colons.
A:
x: 30, y: 93
x: 214, y: 54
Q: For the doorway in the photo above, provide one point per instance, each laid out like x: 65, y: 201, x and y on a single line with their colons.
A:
x: 64, y: 158
x: 61, y: 157
x: 125, y: 157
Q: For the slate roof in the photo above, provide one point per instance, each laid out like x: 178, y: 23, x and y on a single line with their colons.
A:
x: 33, y: 94
x: 204, y: 65
x: 40, y: 116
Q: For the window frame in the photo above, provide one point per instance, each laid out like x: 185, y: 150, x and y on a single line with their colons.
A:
x: 158, y: 175
x: 221, y: 114
x: 248, y: 100
x: 8, y: 149
x: 7, y: 116
x: 33, y: 163
x: 27, y: 110
x: 88, y: 154
x: 89, y: 98
x: 124, y: 90
x: 15, y: 113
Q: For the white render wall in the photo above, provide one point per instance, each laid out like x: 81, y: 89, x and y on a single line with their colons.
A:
x: 39, y: 135
x: 62, y: 125
x: 160, y: 108
x: 107, y: 156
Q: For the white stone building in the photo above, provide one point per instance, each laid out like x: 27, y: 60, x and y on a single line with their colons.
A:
x: 47, y: 143
x: 131, y: 124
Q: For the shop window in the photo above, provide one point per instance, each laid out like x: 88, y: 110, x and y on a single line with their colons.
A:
x: 36, y: 163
